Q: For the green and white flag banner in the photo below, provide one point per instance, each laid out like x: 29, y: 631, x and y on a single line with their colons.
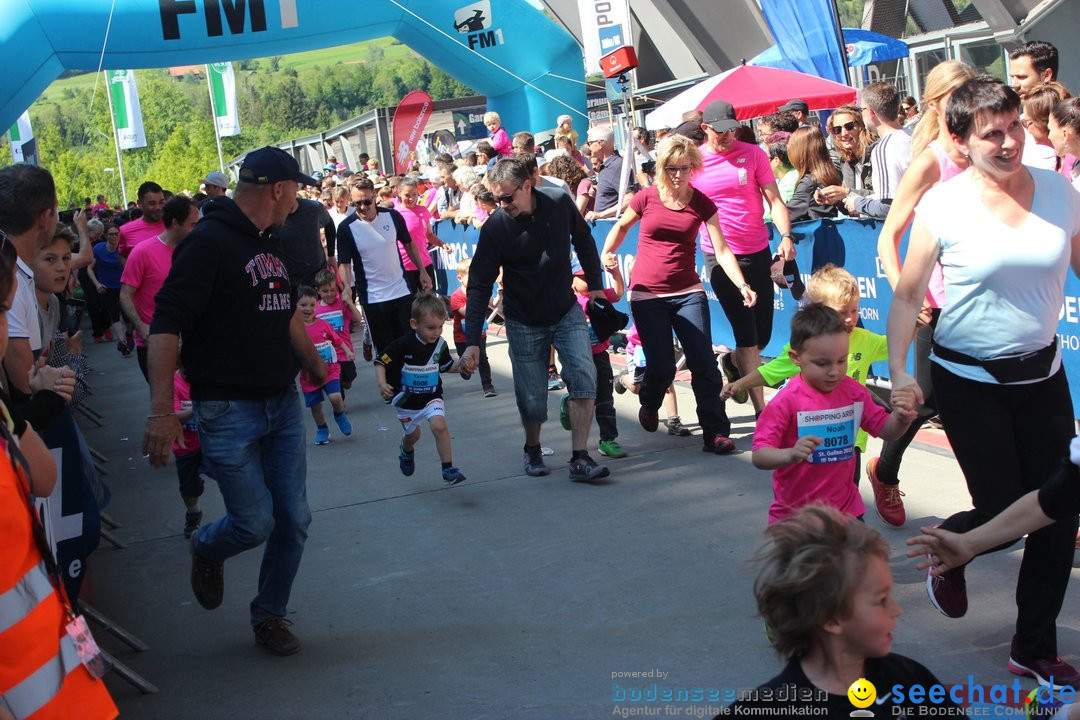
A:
x: 127, y: 113
x: 223, y: 94
x: 19, y: 135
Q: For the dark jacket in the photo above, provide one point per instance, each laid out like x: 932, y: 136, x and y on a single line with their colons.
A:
x: 229, y: 298
x: 801, y: 206
x: 534, y: 253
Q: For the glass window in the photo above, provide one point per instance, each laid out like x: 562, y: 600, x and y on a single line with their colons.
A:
x: 986, y: 56
x: 925, y: 61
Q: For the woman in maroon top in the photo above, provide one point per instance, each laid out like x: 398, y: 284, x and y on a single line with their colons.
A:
x: 665, y: 290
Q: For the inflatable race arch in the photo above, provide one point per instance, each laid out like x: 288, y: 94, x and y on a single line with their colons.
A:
x: 505, y: 49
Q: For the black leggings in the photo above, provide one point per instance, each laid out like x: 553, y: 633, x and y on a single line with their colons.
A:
x: 1009, y: 440
x: 752, y: 326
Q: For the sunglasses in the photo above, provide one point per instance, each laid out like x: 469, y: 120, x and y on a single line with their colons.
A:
x: 362, y: 203
x: 837, y: 129
x: 507, y: 199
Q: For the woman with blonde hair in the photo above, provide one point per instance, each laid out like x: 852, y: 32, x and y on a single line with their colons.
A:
x: 665, y: 290
x: 1036, y: 106
x: 934, y: 158
x: 810, y: 157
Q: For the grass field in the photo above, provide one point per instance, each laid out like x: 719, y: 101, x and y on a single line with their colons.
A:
x: 392, y: 51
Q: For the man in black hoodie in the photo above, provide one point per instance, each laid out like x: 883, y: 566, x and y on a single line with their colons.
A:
x: 229, y: 296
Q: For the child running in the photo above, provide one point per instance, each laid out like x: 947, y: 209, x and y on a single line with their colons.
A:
x: 824, y: 589
x: 457, y: 308
x: 331, y: 347
x: 408, y: 375
x: 339, y: 315
x: 188, y: 457
x: 635, y: 374
x: 806, y: 435
x: 605, y: 402
x: 836, y: 288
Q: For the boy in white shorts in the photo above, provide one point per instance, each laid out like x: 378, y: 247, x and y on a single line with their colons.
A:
x: 408, y: 374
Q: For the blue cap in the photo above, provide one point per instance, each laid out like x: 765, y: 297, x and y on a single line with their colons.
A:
x: 269, y: 165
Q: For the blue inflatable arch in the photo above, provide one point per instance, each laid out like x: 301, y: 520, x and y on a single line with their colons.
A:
x: 505, y: 49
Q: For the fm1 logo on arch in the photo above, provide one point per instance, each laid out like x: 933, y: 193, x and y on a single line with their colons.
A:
x: 474, y: 20
x: 236, y: 14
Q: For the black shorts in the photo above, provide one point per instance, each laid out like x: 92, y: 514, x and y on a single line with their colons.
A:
x: 752, y: 326
x: 348, y: 373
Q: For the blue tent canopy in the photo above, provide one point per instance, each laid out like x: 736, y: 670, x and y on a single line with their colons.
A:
x: 862, y: 46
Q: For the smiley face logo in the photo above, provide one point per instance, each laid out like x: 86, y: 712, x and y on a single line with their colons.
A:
x: 862, y: 693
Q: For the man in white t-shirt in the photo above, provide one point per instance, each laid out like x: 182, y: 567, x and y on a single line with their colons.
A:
x: 28, y: 219
x: 367, y: 246
x: 890, y: 156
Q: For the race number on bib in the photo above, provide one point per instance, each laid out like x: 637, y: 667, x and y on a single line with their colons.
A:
x: 334, y: 318
x: 326, y: 351
x: 420, y: 379
x: 836, y: 427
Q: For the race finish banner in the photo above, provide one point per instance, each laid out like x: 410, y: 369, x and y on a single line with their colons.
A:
x: 223, y: 96
x: 410, y: 119
x: 21, y: 138
x: 127, y: 113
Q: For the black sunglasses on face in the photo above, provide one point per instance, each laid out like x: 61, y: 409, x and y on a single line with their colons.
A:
x: 362, y: 203
x: 507, y: 199
x: 837, y: 129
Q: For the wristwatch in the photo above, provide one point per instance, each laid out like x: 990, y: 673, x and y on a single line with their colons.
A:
x: 788, y: 236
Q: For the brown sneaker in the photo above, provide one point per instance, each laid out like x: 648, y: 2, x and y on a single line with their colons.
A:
x: 207, y: 580
x: 274, y: 633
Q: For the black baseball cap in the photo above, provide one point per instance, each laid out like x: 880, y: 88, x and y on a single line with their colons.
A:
x: 720, y: 116
x: 269, y: 165
x: 795, y: 104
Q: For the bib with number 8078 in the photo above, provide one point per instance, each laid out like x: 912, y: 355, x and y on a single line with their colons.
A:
x: 836, y: 427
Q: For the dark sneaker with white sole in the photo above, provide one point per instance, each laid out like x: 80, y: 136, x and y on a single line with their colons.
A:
x: 534, y: 464
x: 585, y: 469
x: 1048, y: 672
x: 948, y: 592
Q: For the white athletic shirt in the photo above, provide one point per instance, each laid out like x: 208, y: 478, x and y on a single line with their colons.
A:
x: 1004, y: 286
x: 372, y: 248
x: 23, y: 319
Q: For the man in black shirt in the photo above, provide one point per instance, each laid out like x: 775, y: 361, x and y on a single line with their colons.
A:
x: 228, y: 294
x: 527, y: 237
x: 301, y: 247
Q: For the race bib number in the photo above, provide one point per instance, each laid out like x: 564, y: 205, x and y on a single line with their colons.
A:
x: 836, y: 428
x: 334, y: 318
x: 326, y: 351
x: 420, y: 379
x: 185, y: 406
x: 639, y: 356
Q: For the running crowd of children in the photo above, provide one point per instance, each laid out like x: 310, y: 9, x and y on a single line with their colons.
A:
x: 824, y: 587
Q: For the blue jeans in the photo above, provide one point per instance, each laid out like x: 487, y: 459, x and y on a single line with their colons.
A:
x: 688, y: 317
x: 255, y: 450
x: 530, y: 349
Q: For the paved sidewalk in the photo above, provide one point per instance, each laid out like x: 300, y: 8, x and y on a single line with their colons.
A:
x: 505, y: 596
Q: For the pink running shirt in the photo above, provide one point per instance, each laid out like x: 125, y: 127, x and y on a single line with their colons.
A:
x: 733, y: 181
x: 825, y: 477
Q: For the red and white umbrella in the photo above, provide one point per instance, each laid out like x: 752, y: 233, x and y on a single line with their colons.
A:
x: 753, y: 91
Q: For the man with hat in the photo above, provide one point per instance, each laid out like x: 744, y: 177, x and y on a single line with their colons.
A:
x: 799, y: 109
x: 228, y: 295
x: 215, y: 184
x: 736, y: 176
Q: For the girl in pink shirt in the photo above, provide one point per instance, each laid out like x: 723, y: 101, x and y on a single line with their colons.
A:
x: 331, y: 349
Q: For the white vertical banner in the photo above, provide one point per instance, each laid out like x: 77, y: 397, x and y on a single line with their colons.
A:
x: 127, y: 113
x: 19, y: 135
x: 222, y: 83
x: 605, y: 27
